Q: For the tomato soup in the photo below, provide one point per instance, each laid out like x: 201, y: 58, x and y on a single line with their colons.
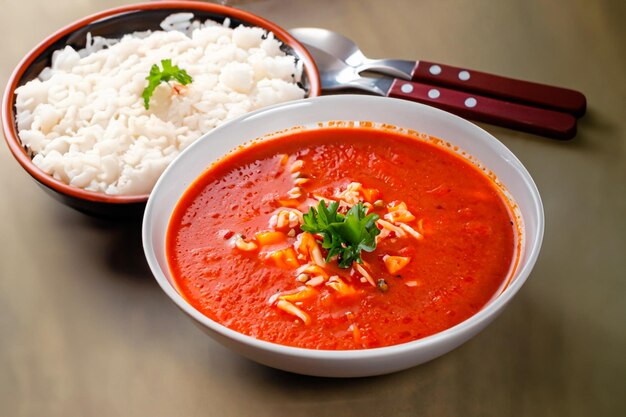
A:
x: 341, y: 238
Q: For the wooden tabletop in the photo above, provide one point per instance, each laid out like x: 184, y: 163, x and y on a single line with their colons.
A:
x: 86, y: 331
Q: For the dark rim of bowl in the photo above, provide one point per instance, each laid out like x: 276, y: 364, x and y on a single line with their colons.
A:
x: 8, y: 101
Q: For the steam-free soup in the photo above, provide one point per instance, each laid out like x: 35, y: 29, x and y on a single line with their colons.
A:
x: 341, y: 238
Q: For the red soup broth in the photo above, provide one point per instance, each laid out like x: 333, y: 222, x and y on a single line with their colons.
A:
x: 238, y: 255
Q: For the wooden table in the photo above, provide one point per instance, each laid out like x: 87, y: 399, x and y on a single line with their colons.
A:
x: 85, y: 330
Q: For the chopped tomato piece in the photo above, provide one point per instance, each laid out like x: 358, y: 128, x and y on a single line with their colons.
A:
x: 293, y: 203
x: 308, y: 245
x: 370, y: 194
x: 395, y: 263
x: 270, y: 238
x: 285, y: 258
x: 401, y: 216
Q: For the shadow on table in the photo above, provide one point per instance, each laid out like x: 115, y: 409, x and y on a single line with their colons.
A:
x: 411, y: 392
x: 594, y: 132
x: 523, y: 351
x: 592, y: 127
x: 122, y: 249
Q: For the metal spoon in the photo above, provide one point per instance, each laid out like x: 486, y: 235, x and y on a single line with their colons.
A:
x: 336, y: 74
x: 346, y: 50
x: 491, y: 85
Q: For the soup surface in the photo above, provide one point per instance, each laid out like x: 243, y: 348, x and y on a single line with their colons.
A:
x: 420, y: 239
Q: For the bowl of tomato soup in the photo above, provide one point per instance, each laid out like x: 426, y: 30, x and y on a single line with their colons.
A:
x: 344, y: 236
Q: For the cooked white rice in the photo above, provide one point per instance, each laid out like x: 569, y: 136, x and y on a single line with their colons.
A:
x: 85, y: 122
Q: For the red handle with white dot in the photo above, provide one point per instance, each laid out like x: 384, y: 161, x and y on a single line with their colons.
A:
x: 524, y: 92
x: 516, y: 116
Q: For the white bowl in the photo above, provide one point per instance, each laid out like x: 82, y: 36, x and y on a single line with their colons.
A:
x: 470, y: 138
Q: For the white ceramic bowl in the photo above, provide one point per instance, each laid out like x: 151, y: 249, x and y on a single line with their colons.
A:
x: 475, y: 141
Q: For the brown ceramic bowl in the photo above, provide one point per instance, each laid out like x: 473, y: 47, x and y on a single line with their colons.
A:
x: 113, y: 24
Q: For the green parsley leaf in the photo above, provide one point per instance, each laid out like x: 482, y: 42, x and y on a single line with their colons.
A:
x: 345, y: 236
x: 158, y: 76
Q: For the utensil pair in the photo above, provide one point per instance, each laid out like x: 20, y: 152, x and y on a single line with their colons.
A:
x: 526, y: 106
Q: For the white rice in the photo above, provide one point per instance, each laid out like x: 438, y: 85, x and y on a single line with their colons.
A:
x: 84, y: 119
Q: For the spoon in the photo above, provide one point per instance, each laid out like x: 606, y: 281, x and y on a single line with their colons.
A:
x: 335, y: 74
x: 509, y: 89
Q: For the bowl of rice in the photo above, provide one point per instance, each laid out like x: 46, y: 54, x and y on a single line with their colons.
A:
x: 99, y: 109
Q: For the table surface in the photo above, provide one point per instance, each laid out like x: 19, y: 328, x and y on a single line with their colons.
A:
x: 86, y: 331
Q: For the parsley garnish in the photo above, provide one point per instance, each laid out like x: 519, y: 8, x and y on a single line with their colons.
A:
x: 344, y: 235
x: 158, y: 76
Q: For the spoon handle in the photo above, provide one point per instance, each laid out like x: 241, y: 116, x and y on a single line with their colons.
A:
x: 509, y: 89
x: 549, y: 123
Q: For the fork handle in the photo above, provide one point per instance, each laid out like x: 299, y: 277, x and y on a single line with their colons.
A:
x: 510, y: 89
x: 544, y: 122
